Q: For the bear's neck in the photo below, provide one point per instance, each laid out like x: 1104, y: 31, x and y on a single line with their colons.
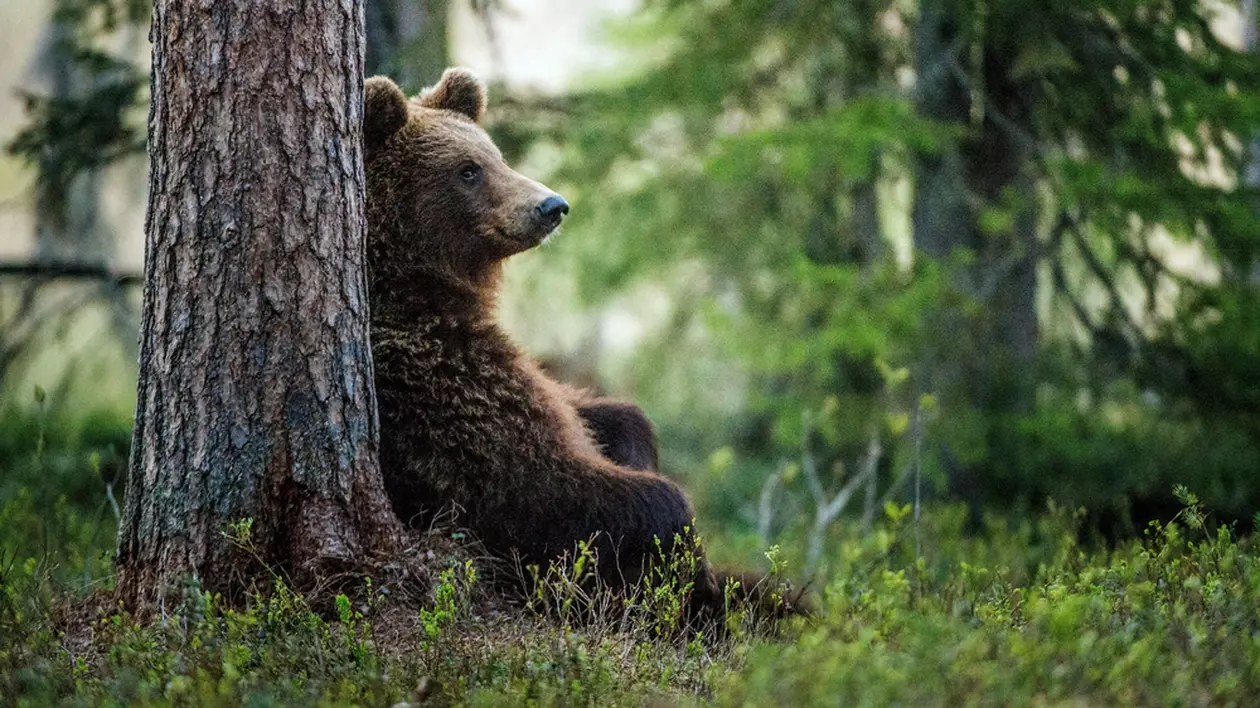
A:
x: 430, y: 294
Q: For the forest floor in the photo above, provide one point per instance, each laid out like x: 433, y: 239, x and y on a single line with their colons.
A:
x: 1022, y: 613
x: 1167, y: 620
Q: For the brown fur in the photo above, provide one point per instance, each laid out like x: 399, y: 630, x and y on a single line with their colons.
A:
x: 387, y: 105
x: 621, y: 430
x: 460, y: 91
x: 466, y: 418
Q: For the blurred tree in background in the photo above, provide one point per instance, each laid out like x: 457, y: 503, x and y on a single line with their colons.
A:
x: 85, y: 114
x: 82, y: 120
x: 407, y: 40
x: 1116, y: 126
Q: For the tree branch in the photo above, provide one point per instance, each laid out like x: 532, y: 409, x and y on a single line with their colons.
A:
x: 69, y: 270
x: 1075, y: 229
x: 827, y: 511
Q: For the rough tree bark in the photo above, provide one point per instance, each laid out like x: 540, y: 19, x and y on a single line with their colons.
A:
x: 256, y: 397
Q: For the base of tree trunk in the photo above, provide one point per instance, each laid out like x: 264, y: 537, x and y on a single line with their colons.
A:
x: 314, y: 545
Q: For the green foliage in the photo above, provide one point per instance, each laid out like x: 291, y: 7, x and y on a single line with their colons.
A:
x: 761, y: 186
x: 61, y: 480
x: 573, y: 593
x: 1168, y: 620
x: 1123, y: 452
x: 451, y: 599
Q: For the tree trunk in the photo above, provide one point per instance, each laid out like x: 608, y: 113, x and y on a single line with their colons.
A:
x: 256, y: 397
x: 952, y: 187
x: 989, y: 368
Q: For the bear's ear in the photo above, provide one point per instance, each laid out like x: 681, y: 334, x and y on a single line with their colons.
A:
x: 384, y: 112
x: 459, y: 90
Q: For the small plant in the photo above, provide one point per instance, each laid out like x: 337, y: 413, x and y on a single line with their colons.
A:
x: 452, y: 600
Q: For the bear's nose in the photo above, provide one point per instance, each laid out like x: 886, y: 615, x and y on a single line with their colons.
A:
x: 552, y: 209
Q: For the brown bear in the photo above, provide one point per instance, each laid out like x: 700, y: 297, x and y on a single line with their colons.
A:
x: 532, y: 466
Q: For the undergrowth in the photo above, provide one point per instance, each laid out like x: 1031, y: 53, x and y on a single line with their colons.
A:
x: 909, y: 613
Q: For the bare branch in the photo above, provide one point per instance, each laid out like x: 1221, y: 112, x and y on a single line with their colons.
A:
x: 827, y: 511
x: 1095, y: 265
x: 1061, y: 284
x: 69, y: 270
x: 809, y: 467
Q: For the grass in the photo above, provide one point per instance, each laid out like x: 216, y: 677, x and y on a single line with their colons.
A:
x: 1023, y: 614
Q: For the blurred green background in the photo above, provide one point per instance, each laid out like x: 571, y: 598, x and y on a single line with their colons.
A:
x: 843, y: 252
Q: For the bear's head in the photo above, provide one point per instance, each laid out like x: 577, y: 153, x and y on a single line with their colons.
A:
x: 441, y: 202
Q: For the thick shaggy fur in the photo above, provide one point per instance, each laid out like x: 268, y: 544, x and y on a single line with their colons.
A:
x: 466, y: 418
x: 622, y: 432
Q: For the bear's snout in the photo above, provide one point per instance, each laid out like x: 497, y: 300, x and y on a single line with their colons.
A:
x: 551, y: 211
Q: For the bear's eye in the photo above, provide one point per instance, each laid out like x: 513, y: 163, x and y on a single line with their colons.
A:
x: 470, y: 174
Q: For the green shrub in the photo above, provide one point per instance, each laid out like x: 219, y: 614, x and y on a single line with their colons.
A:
x: 1167, y: 620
